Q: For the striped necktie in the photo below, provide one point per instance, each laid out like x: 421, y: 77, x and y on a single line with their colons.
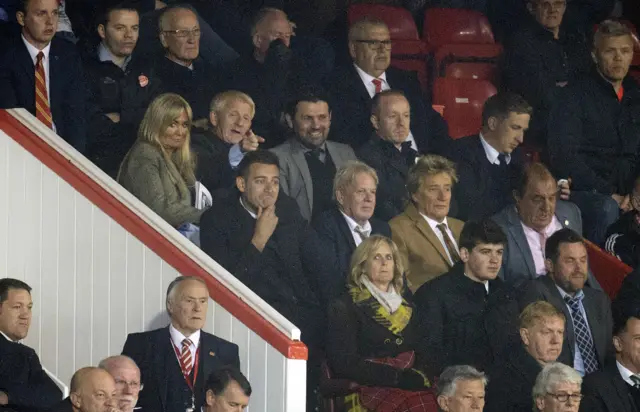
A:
x: 185, y: 357
x: 43, y: 111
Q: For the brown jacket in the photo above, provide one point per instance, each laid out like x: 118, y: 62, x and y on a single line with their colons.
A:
x: 420, y: 246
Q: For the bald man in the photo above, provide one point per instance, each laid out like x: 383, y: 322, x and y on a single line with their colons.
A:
x: 126, y: 374
x: 92, y: 390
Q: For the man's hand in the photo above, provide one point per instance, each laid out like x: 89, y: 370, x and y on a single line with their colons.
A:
x: 618, y: 198
x: 4, y: 398
x: 564, y: 187
x: 114, y: 117
x: 625, y: 206
x: 266, y: 223
x: 250, y: 142
x: 160, y: 4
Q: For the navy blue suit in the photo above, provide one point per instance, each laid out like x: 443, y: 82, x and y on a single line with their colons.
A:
x: 67, y: 94
x: 161, y: 374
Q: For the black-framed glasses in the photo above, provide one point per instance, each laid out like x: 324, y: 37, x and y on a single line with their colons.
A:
x: 376, y: 44
x: 184, y: 32
x: 564, y: 397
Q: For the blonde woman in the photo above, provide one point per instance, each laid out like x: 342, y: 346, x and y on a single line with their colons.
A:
x: 159, y: 168
x: 373, y: 334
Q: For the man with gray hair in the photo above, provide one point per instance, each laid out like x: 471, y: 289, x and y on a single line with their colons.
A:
x: 175, y: 361
x: 461, y: 389
x: 557, y: 388
x: 126, y: 375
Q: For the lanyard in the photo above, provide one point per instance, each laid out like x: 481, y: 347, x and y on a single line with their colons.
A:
x: 190, y: 382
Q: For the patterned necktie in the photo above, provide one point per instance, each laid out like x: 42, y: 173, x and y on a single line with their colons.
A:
x: 362, y: 233
x: 378, y: 84
x: 636, y: 381
x: 583, y: 337
x: 185, y: 357
x: 43, y: 111
x: 455, y: 257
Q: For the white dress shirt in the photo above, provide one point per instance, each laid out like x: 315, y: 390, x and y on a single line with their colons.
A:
x: 625, y: 374
x: 352, y: 228
x: 253, y: 215
x: 177, y: 337
x: 367, y: 79
x: 9, y: 339
x: 492, y: 154
x: 537, y: 246
x: 433, y: 223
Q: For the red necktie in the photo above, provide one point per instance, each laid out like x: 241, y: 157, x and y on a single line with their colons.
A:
x: 43, y: 111
x: 185, y: 358
x: 378, y: 84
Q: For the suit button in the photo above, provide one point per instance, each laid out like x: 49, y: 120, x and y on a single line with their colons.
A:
x: 387, y: 341
x: 399, y: 341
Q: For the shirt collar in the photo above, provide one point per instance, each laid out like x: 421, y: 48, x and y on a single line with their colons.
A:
x: 579, y: 294
x: 433, y: 223
x: 625, y: 374
x: 491, y: 153
x: 9, y: 339
x: 33, y: 50
x: 177, y: 337
x: 105, y: 55
x: 551, y: 228
x: 367, y: 78
x: 253, y: 215
x: 353, y: 224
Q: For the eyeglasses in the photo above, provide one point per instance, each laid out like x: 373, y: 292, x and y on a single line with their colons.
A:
x: 133, y: 384
x: 564, y: 397
x: 376, y: 44
x: 183, y: 32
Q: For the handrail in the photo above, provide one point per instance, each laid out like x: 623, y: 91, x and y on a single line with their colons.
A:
x: 64, y: 388
x: 153, y: 231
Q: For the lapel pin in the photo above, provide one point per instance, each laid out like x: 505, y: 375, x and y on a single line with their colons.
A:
x: 143, y: 80
x: 212, y: 354
x: 566, y: 223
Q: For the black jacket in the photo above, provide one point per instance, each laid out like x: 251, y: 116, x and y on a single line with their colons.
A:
x: 290, y: 273
x: 336, y: 237
x: 462, y: 325
x: 596, y: 142
x: 154, y: 354
x: 24, y: 381
x: 478, y: 194
x: 623, y: 238
x: 212, y: 161
x: 392, y: 167
x: 630, y: 289
x: 511, y: 380
x: 63, y: 406
x: 351, y: 110
x: 605, y: 391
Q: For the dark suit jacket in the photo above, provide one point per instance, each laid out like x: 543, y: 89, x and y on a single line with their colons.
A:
x: 605, y: 391
x: 462, y: 325
x: 510, y: 382
x: 63, y: 406
x: 597, y: 307
x: 290, y: 273
x: 21, y: 376
x: 154, y: 354
x: 351, y: 110
x: 336, y: 237
x: 477, y: 194
x: 68, y: 90
x: 212, y: 161
x: 517, y: 261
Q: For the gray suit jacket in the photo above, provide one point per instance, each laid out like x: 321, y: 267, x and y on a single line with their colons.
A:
x: 517, y: 261
x: 295, y: 178
x: 597, y: 307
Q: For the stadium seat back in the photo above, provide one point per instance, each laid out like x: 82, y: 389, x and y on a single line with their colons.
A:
x: 450, y: 26
x: 463, y: 100
x: 399, y: 20
x: 608, y: 270
x: 468, y: 61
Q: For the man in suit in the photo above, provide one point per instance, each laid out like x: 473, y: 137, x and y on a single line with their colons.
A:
x: 227, y: 390
x: 24, y: 385
x: 308, y: 161
x: 264, y: 242
x: 461, y: 388
x: 617, y: 386
x: 43, y: 73
x: 91, y: 390
x: 557, y: 388
x: 352, y: 87
x: 513, y: 377
x: 587, y: 341
x: 343, y: 227
x: 126, y: 375
x: 424, y: 234
x: 175, y: 360
x: 389, y: 151
x: 536, y: 215
x: 469, y: 316
x: 220, y: 149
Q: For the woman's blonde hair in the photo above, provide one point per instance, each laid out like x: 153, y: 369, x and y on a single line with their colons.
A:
x: 365, y: 252
x: 160, y: 114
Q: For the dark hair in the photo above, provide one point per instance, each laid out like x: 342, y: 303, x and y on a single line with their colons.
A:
x: 220, y: 378
x: 306, y: 94
x: 7, y: 284
x: 483, y: 231
x: 501, y: 104
x: 565, y: 235
x: 108, y: 6
x: 622, y: 311
x: 377, y: 99
x: 537, y: 171
x: 264, y: 157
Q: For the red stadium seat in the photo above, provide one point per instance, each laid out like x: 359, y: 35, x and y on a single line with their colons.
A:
x: 451, y: 26
x: 334, y: 390
x: 608, y: 270
x: 463, y: 100
x: 468, y: 61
